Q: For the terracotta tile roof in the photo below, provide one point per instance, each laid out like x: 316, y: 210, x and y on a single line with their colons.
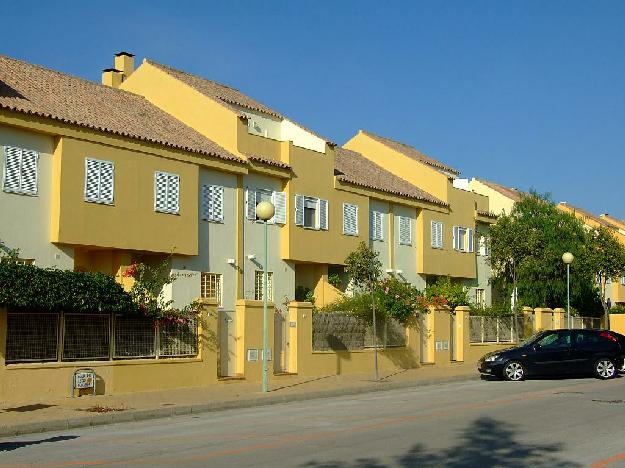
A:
x: 226, y: 95
x: 511, y: 193
x: 354, y: 168
x: 586, y: 214
x: 487, y: 214
x: 617, y: 223
x: 413, y: 153
x: 31, y: 89
x: 269, y: 162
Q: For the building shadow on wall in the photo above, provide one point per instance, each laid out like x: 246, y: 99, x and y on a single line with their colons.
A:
x: 484, y: 443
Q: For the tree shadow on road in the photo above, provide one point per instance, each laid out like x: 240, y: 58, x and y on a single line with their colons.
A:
x: 8, y: 446
x: 485, y: 443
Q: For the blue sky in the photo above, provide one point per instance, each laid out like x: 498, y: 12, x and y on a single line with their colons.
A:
x: 530, y: 94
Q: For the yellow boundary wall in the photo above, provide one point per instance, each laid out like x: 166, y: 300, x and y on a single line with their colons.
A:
x: 26, y: 382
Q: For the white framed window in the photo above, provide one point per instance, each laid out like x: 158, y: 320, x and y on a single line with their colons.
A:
x: 258, y: 285
x: 376, y: 221
x: 212, y: 203
x: 99, y: 181
x: 311, y: 212
x: 20, y: 171
x: 480, y: 297
x: 623, y: 280
x: 437, y: 234
x: 253, y: 196
x: 212, y: 286
x: 166, y: 192
x: 483, y: 246
x: 350, y: 219
x: 405, y: 230
x: 463, y: 239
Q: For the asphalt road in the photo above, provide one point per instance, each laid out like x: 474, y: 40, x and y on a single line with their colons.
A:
x: 550, y: 423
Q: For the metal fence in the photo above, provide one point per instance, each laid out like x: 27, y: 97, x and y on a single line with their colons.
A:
x: 336, y: 331
x: 506, y: 329
x: 32, y: 338
x: 41, y: 337
x: 134, y: 338
x: 391, y: 334
x: 586, y: 322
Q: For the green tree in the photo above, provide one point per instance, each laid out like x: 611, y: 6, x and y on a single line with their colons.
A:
x: 363, y: 266
x: 526, y: 250
x: 604, y: 259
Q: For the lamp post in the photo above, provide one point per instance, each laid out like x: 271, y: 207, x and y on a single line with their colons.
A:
x: 265, y: 211
x: 567, y: 258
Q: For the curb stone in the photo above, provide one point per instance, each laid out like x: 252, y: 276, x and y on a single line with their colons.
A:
x: 182, y: 410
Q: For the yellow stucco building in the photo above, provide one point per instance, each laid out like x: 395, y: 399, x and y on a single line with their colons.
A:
x: 155, y: 163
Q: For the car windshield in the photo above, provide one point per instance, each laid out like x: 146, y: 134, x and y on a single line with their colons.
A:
x: 531, y: 339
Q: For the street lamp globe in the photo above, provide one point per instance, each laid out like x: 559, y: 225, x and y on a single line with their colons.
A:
x: 265, y: 210
x: 567, y: 257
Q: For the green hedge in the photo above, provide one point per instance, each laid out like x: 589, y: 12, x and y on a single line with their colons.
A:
x: 28, y: 287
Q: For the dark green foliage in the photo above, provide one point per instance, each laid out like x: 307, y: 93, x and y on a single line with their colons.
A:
x: 454, y: 294
x: 363, y: 266
x: 496, y: 310
x: 526, y: 249
x: 31, y: 288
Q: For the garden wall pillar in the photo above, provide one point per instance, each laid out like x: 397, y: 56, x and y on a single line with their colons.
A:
x: 249, y: 326
x: 463, y: 340
x: 439, y: 337
x: 543, y: 319
x: 299, y: 335
x: 559, y: 318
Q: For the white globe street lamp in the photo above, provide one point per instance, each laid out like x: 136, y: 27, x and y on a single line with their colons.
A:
x: 567, y: 258
x: 265, y: 211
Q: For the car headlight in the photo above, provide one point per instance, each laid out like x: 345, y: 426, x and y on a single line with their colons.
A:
x: 491, y: 358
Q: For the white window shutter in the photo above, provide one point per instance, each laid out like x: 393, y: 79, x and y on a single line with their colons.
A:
x: 279, y: 202
x: 29, y: 172
x: 377, y: 225
x: 107, y: 182
x: 433, y: 234
x: 440, y: 235
x: 173, y: 193
x: 206, y: 210
x: 323, y: 215
x: 456, y: 240
x: 354, y: 219
x: 12, y: 169
x: 92, y: 179
x: 217, y: 202
x: 299, y: 210
x: 405, y: 231
x: 160, y: 191
x: 470, y: 240
x: 250, y: 203
x: 350, y: 219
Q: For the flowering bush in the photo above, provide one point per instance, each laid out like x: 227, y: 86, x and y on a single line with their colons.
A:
x: 397, y: 299
x: 147, y: 293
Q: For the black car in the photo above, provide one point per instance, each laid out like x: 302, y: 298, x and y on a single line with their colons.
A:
x: 559, y: 352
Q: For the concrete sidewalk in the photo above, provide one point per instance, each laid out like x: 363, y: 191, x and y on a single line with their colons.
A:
x: 42, y: 416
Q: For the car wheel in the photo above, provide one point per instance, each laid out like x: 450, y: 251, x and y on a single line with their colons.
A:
x: 605, y: 369
x: 514, y: 371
